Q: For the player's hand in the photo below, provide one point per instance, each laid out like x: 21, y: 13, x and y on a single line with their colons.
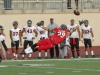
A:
x: 82, y: 40
x: 20, y: 43
x: 92, y: 39
x: 8, y: 52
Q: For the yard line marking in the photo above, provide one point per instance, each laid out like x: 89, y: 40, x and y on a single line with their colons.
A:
x: 80, y: 69
x: 76, y: 59
x: 76, y: 71
x: 49, y: 72
x: 1, y: 66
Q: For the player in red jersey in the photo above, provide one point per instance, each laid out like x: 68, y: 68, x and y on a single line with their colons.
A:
x: 60, y: 35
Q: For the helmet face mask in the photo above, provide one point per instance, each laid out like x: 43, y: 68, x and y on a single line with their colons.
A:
x: 63, y: 27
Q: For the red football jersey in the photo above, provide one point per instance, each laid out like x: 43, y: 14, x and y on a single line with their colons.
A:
x: 59, y: 35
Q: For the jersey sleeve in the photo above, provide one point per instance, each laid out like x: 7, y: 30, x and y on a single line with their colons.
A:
x: 55, y: 29
x: 10, y: 29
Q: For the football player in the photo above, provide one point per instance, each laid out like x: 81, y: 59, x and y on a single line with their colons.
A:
x: 44, y: 44
x: 15, y: 39
x: 42, y: 34
x: 87, y: 32
x: 28, y: 39
x: 64, y: 46
x: 2, y: 43
x: 74, y: 38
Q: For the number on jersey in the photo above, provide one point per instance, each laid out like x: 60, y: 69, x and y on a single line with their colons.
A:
x: 29, y: 30
x: 15, y: 33
x: 61, y: 34
x: 86, y: 31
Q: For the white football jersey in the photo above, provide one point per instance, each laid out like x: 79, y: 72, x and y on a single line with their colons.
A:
x: 86, y: 31
x: 75, y: 33
x: 41, y: 32
x: 29, y: 32
x: 2, y: 37
x: 15, y: 34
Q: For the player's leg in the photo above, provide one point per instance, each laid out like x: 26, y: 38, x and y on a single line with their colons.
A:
x: 52, y: 52
x: 72, y: 48
x: 69, y: 4
x: 76, y: 3
x: 13, y: 50
x: 30, y: 44
x: 17, y: 47
x: 25, y: 46
x: 42, y: 45
x: 62, y: 52
x: 0, y: 58
x: 65, y: 52
x: 86, y: 47
x: 45, y: 54
x: 57, y: 51
x: 90, y: 47
x: 77, y: 48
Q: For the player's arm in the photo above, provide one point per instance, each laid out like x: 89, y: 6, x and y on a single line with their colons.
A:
x: 20, y: 39
x: 50, y: 30
x: 78, y: 32
x: 82, y: 36
x: 91, y: 31
x: 36, y: 33
x: 11, y: 35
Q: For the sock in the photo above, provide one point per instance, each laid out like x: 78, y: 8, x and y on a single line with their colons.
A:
x: 30, y: 55
x: 86, y: 52
x: 22, y: 55
x: 39, y: 54
x: 28, y: 50
x: 92, y: 52
x: 73, y: 54
x: 14, y: 54
x: 45, y: 54
x: 78, y: 54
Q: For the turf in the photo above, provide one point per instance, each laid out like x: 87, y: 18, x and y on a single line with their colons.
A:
x: 51, y: 67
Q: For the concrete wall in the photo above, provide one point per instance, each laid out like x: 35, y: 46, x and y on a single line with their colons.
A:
x: 6, y: 21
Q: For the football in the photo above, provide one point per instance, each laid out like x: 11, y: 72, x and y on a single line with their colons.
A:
x: 76, y: 12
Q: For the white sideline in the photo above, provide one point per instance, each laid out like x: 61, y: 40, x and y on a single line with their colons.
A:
x: 52, y: 60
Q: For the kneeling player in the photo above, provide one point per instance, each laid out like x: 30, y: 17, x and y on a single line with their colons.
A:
x: 59, y: 36
x: 86, y: 31
x: 64, y: 46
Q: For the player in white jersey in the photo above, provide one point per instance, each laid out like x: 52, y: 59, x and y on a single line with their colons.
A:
x: 74, y: 38
x: 15, y: 39
x: 2, y: 43
x: 86, y: 37
x: 28, y: 39
x: 42, y: 34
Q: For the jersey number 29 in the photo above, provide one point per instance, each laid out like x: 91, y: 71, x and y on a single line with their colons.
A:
x: 61, y: 34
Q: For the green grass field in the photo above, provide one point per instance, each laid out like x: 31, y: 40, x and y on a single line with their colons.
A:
x: 89, y: 66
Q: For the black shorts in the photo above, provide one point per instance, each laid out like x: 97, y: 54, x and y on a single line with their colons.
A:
x: 26, y: 42
x: 74, y: 45
x: 87, y: 42
x: 15, y: 45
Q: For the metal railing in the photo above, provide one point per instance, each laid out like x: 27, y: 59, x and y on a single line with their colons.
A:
x: 47, y: 4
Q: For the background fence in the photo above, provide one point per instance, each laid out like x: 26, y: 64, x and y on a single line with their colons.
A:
x: 46, y: 4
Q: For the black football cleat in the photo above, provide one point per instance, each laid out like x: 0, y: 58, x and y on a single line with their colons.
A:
x: 93, y: 56
x: 81, y: 22
x: 23, y: 52
x: 86, y: 56
x: 39, y: 58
